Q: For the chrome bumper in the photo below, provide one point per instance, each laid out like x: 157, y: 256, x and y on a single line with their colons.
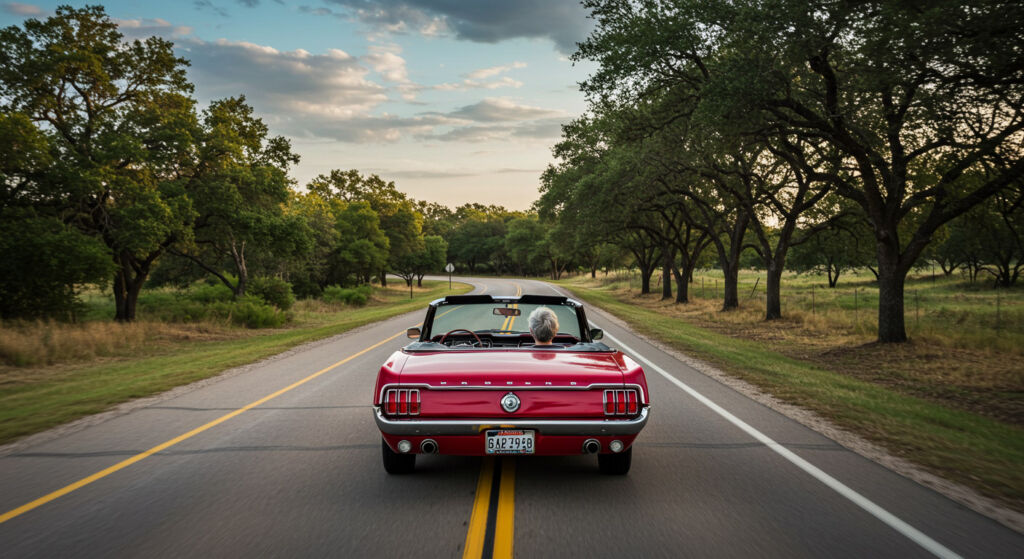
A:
x: 578, y: 427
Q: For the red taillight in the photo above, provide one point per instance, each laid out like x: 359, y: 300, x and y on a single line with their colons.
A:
x: 402, y: 401
x: 621, y: 402
x: 414, y: 402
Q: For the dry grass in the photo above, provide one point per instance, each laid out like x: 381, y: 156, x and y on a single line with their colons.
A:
x: 25, y: 344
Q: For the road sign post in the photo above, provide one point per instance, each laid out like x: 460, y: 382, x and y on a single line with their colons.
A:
x: 449, y: 268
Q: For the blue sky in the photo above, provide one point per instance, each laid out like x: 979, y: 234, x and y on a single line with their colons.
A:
x: 455, y: 100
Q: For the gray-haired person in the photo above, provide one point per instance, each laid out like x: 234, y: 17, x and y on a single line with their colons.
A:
x: 543, y: 325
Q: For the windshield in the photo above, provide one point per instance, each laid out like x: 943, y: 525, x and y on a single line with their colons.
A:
x: 482, y: 317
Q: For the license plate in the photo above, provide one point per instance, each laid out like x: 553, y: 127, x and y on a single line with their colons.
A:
x: 510, y: 442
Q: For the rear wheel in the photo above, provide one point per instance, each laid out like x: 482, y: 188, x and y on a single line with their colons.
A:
x: 395, y: 463
x: 615, y: 464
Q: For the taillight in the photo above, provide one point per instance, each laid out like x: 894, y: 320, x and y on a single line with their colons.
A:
x: 402, y: 401
x: 621, y: 402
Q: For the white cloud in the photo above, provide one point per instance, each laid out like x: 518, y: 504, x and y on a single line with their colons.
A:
x: 334, y: 95
x: 485, y: 73
x: 142, y: 28
x: 18, y: 9
x: 294, y: 84
x: 499, y: 109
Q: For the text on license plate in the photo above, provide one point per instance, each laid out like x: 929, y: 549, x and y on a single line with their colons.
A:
x: 510, y: 442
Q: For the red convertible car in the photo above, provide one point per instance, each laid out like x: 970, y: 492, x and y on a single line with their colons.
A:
x: 474, y: 383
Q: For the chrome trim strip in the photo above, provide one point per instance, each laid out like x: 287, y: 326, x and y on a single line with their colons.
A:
x: 577, y: 427
x: 638, y: 388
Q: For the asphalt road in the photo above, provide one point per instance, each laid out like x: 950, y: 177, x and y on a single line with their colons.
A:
x: 208, y: 474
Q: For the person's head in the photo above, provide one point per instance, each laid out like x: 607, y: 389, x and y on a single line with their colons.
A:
x: 543, y: 325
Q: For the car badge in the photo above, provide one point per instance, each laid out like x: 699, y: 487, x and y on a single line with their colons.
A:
x: 510, y: 402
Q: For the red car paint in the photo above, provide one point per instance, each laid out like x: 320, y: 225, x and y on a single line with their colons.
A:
x: 551, y: 384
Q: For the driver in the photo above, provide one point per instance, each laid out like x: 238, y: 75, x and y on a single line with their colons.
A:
x: 543, y: 325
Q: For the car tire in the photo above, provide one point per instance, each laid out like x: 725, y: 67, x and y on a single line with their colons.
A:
x: 395, y: 463
x: 615, y: 464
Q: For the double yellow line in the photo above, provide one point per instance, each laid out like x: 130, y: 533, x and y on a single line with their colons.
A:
x: 509, y: 320
x: 492, y: 522
x: 487, y: 532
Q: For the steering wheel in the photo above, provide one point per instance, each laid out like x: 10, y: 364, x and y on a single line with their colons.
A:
x: 450, y: 332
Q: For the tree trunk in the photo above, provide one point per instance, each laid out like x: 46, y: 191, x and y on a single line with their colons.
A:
x: 668, y: 255
x: 891, y: 277
x: 419, y: 281
x: 773, y: 292
x: 731, y: 300
x: 383, y: 278
x: 645, y: 282
x: 127, y: 288
x: 682, y: 286
x: 833, y: 275
x: 238, y: 255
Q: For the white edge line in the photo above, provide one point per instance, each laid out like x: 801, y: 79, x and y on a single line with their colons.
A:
x: 861, y: 501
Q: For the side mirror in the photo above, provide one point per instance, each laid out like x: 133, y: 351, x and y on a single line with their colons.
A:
x: 596, y: 334
x: 413, y: 333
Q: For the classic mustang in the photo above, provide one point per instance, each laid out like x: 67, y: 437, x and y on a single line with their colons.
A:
x: 474, y: 383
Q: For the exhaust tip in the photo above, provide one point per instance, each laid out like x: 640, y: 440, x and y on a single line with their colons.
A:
x: 428, y: 446
x: 591, y: 446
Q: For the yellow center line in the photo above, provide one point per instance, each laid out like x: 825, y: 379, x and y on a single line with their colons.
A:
x: 512, y: 319
x: 165, y: 445
x: 474, y: 547
x: 504, y: 527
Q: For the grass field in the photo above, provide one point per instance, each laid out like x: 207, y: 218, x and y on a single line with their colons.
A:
x: 950, y: 400
x: 92, y: 366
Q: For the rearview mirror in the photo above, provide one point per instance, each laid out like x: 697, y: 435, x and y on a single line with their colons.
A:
x: 596, y: 334
x: 507, y: 311
x: 413, y: 333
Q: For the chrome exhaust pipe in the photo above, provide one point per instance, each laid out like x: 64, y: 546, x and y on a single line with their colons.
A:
x: 591, y: 446
x: 428, y: 446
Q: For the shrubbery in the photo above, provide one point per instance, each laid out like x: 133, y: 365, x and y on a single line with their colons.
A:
x: 275, y: 291
x: 211, y: 302
x: 356, y: 296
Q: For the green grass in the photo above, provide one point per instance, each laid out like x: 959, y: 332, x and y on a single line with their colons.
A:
x: 35, y: 399
x: 977, y: 451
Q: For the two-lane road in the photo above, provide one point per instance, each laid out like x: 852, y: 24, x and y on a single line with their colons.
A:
x: 283, y: 460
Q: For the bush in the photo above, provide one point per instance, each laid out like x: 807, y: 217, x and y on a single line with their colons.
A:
x: 275, y: 291
x: 210, y: 293
x: 253, y: 312
x: 305, y: 288
x: 356, y: 296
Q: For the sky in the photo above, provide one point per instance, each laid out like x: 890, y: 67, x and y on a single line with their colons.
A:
x: 455, y: 101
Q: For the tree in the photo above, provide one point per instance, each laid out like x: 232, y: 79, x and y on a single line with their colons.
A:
x: 844, y: 245
x: 240, y: 186
x: 476, y: 241
x: 398, y: 217
x: 120, y: 123
x: 913, y: 98
x: 43, y: 262
x: 521, y: 241
x: 1000, y: 222
x: 362, y: 248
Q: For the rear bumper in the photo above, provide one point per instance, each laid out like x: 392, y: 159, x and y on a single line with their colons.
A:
x: 553, y: 427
